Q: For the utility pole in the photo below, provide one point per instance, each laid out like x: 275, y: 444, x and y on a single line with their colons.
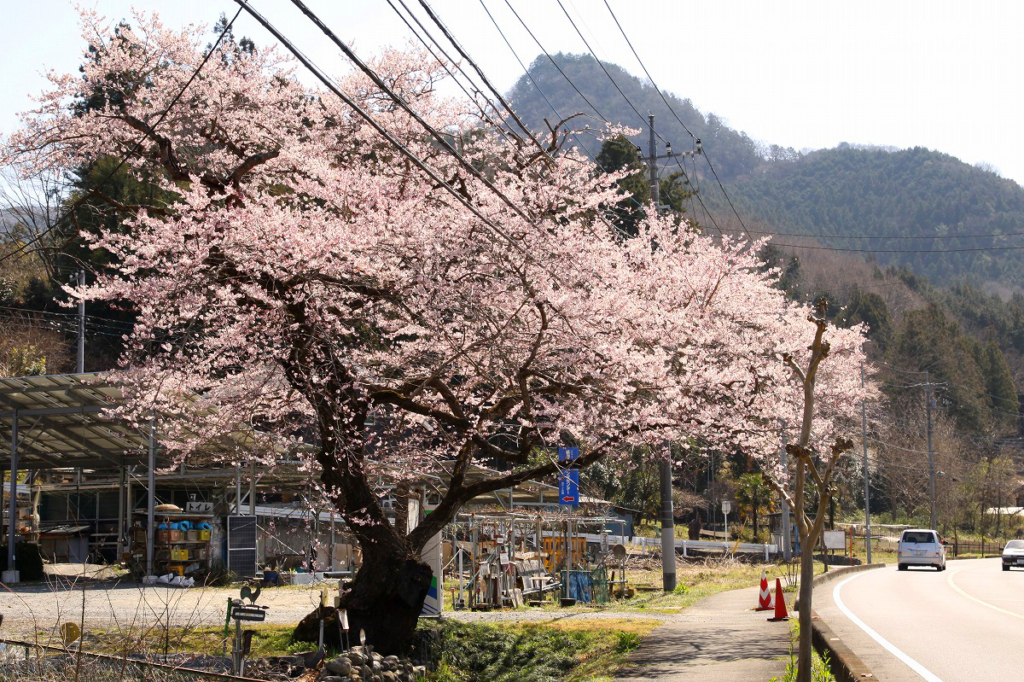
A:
x: 787, y: 540
x: 668, y: 528
x: 668, y: 531
x: 79, y: 279
x: 931, y: 455
x: 652, y: 160
x: 652, y: 164
x: 867, y: 487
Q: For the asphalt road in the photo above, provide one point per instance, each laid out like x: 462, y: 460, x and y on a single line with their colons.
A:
x: 963, y: 624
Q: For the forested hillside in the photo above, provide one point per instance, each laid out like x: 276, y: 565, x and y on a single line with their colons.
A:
x: 914, y: 207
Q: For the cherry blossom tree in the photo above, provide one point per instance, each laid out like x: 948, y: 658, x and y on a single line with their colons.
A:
x: 308, y: 279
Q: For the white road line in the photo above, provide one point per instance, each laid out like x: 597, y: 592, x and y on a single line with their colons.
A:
x: 886, y: 644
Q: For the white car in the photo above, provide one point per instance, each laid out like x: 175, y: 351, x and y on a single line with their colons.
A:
x: 1013, y: 554
x: 921, y: 547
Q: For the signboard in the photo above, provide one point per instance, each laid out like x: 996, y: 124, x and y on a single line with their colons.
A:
x: 726, y: 507
x: 569, y: 481
x: 569, y: 487
x: 833, y: 539
x: 194, y: 507
x: 568, y: 454
x: 248, y: 614
x: 431, y: 554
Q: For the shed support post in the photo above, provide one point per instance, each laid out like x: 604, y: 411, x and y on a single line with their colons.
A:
x: 10, y: 576
x: 151, y: 500
x: 120, y: 515
x: 252, y: 490
x: 332, y: 539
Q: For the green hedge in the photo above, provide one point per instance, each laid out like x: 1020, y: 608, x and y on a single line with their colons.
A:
x: 29, y: 562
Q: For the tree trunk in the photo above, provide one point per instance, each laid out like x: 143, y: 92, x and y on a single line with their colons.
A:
x: 386, y: 597
x: 804, y: 610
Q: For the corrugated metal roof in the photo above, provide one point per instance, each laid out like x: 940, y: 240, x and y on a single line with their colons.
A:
x: 62, y: 423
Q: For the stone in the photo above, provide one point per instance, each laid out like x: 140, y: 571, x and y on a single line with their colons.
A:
x: 340, y: 666
x: 356, y: 658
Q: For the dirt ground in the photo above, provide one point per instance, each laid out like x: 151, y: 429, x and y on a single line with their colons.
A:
x: 104, y: 601
x: 74, y: 593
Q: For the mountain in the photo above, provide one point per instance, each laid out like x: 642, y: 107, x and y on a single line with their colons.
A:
x: 734, y: 153
x: 913, y: 207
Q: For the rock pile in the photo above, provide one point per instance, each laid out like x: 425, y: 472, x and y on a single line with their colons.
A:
x: 359, y: 664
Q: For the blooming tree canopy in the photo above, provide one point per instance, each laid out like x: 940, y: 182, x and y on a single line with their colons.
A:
x: 308, y: 279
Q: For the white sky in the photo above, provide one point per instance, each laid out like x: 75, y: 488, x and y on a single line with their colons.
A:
x: 807, y: 74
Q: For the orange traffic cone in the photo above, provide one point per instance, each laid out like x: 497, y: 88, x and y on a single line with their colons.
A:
x: 764, y: 597
x: 780, y: 603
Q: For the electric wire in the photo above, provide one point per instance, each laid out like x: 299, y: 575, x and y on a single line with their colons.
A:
x: 444, y: 64
x: 544, y: 96
x: 447, y: 34
x: 614, y: 83
x: 568, y: 80
x: 670, y: 108
x: 373, y: 123
x: 400, y: 101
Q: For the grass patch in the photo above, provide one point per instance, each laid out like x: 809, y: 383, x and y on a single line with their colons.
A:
x: 579, y: 651
x: 697, y: 580
x: 268, y: 640
x: 820, y: 671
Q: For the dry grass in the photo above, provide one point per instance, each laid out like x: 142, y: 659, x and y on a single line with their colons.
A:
x: 636, y: 626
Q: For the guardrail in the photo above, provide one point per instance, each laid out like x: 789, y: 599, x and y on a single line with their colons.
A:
x: 697, y: 545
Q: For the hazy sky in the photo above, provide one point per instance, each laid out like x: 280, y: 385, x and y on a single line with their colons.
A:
x: 945, y: 75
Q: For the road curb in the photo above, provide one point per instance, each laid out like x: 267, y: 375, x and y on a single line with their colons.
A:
x: 840, y: 572
x: 846, y: 665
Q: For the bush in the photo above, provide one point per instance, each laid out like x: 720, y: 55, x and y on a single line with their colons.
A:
x: 29, y: 561
x: 480, y: 653
x: 626, y: 642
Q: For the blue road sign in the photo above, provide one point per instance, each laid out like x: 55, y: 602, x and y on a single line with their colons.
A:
x: 569, y: 487
x: 568, y: 454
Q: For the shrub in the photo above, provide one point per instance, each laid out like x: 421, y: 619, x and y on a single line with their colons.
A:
x: 626, y: 642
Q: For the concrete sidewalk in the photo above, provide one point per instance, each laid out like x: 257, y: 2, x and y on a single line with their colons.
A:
x: 718, y: 639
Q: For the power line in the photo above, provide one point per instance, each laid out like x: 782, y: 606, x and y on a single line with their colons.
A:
x: 383, y: 132
x: 97, y: 320
x: 124, y: 157
x: 857, y: 250
x: 646, y: 72
x: 447, y: 34
x: 599, y: 62
x: 400, y: 101
x: 670, y: 108
x: 897, y: 447
x: 554, y: 110
x: 593, y: 106
x: 444, y: 64
x: 889, y: 237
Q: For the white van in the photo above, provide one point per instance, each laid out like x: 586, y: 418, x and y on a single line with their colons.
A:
x: 921, y: 547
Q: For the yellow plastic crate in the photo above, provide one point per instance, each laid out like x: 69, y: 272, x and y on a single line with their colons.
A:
x: 179, y: 555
